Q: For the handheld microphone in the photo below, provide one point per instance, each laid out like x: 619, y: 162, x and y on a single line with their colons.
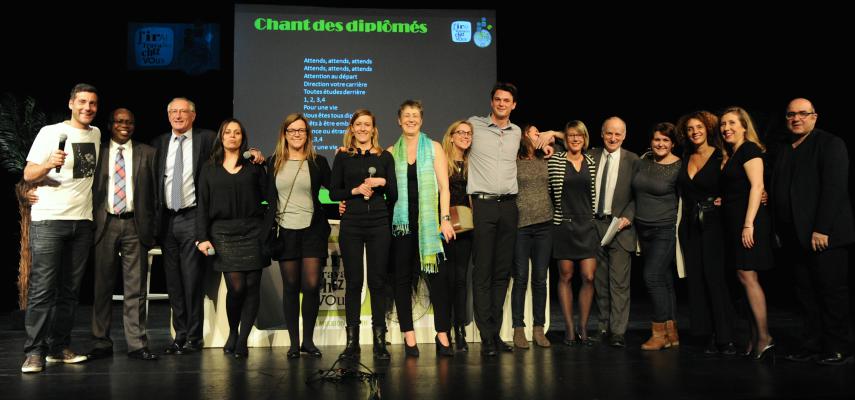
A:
x: 62, y: 138
x: 248, y: 156
x: 371, y: 172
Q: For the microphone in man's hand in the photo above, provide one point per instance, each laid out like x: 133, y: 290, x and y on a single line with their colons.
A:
x: 62, y: 138
x: 248, y: 156
x: 371, y: 172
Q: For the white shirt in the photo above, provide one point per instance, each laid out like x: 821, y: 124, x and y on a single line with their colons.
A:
x: 70, y: 198
x: 187, y: 178
x: 611, y: 179
x: 128, y: 155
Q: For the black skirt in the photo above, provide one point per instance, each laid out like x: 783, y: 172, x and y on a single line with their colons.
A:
x: 237, y: 245
x: 574, y: 239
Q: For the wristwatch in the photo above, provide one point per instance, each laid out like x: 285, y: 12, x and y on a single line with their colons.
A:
x: 446, y: 217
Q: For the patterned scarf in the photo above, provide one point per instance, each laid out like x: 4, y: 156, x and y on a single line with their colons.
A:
x: 430, y: 243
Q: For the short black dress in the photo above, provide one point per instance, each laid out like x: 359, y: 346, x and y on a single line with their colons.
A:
x: 735, y: 188
x: 575, y: 238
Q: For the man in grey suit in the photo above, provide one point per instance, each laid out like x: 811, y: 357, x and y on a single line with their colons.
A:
x: 180, y: 156
x: 614, y: 199
x: 124, y: 214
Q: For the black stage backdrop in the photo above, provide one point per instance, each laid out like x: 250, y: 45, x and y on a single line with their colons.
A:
x: 644, y: 62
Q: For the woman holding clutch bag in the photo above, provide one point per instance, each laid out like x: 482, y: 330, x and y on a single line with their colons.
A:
x: 455, y: 144
x: 534, y: 239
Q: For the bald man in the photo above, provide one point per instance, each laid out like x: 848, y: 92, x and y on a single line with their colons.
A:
x: 813, y: 219
x: 124, y: 212
x: 614, y: 200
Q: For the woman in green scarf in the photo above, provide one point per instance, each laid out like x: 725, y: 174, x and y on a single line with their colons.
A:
x: 419, y: 224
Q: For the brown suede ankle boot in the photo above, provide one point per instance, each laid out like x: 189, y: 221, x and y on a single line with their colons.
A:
x: 658, y: 339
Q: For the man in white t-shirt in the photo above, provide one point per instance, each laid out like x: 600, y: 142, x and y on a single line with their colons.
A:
x: 62, y: 162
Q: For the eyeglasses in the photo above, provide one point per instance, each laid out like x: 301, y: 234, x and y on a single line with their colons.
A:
x: 799, y: 115
x: 174, y: 112
x: 296, y: 132
x: 463, y: 133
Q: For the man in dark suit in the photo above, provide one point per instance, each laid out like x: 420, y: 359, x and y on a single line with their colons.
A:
x: 614, y: 199
x: 180, y: 156
x: 124, y: 214
x: 813, y: 219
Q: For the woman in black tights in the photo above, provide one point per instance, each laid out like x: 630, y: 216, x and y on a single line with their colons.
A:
x: 296, y: 176
x: 228, y: 225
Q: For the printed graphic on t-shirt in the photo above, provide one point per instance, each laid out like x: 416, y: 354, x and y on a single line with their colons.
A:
x: 84, y: 160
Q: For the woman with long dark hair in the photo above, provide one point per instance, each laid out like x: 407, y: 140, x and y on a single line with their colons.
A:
x: 534, y: 239
x: 296, y: 176
x: 228, y: 227
x: 700, y: 233
x: 363, y: 175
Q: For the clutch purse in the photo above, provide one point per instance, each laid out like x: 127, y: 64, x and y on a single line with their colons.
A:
x: 461, y: 219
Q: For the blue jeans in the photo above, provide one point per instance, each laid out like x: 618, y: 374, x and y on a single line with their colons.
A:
x: 59, y: 252
x: 658, y: 245
x: 534, y: 242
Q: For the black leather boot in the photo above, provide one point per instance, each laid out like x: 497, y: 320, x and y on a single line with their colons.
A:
x: 380, y: 352
x: 460, y: 338
x: 351, y: 350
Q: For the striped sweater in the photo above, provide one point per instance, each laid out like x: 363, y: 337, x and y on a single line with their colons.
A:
x: 557, y: 167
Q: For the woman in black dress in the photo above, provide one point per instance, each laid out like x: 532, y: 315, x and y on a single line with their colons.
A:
x: 229, y: 220
x: 571, y: 185
x: 296, y: 176
x: 700, y: 232
x: 456, y: 144
x: 747, y: 225
x: 365, y: 224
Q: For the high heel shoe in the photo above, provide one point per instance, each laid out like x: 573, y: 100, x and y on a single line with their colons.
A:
x: 444, y: 351
x: 293, y: 353
x: 460, y: 338
x: 411, y: 351
x: 229, y: 347
x: 241, y: 350
x: 766, y: 353
x: 586, y: 341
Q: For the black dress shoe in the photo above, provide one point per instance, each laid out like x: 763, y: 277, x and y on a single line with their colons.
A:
x: 293, y: 353
x: 617, y: 341
x: 100, y: 352
x: 502, y: 346
x: 728, y: 349
x: 802, y: 356
x: 488, y: 347
x: 191, y: 346
x: 834, y: 359
x: 143, y: 354
x: 311, y: 350
x: 599, y: 336
x: 174, y: 348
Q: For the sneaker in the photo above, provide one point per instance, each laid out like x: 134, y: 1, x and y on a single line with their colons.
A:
x: 33, y: 363
x: 66, y: 356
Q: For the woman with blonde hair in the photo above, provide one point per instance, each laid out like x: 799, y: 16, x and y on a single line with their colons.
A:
x: 296, y: 176
x: 456, y: 144
x: 363, y: 175
x: 747, y: 226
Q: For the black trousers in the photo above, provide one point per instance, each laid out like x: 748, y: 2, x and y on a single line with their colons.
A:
x: 374, y: 240
x: 184, y: 269
x: 822, y: 288
x: 494, y: 238
x: 458, y: 254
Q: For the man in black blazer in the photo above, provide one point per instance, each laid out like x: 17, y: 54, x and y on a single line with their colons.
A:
x: 614, y: 199
x: 124, y: 214
x: 813, y: 218
x: 176, y: 196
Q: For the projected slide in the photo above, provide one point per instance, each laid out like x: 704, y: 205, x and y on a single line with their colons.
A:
x: 328, y: 62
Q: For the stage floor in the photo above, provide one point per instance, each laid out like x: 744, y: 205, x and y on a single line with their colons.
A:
x: 598, y: 372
